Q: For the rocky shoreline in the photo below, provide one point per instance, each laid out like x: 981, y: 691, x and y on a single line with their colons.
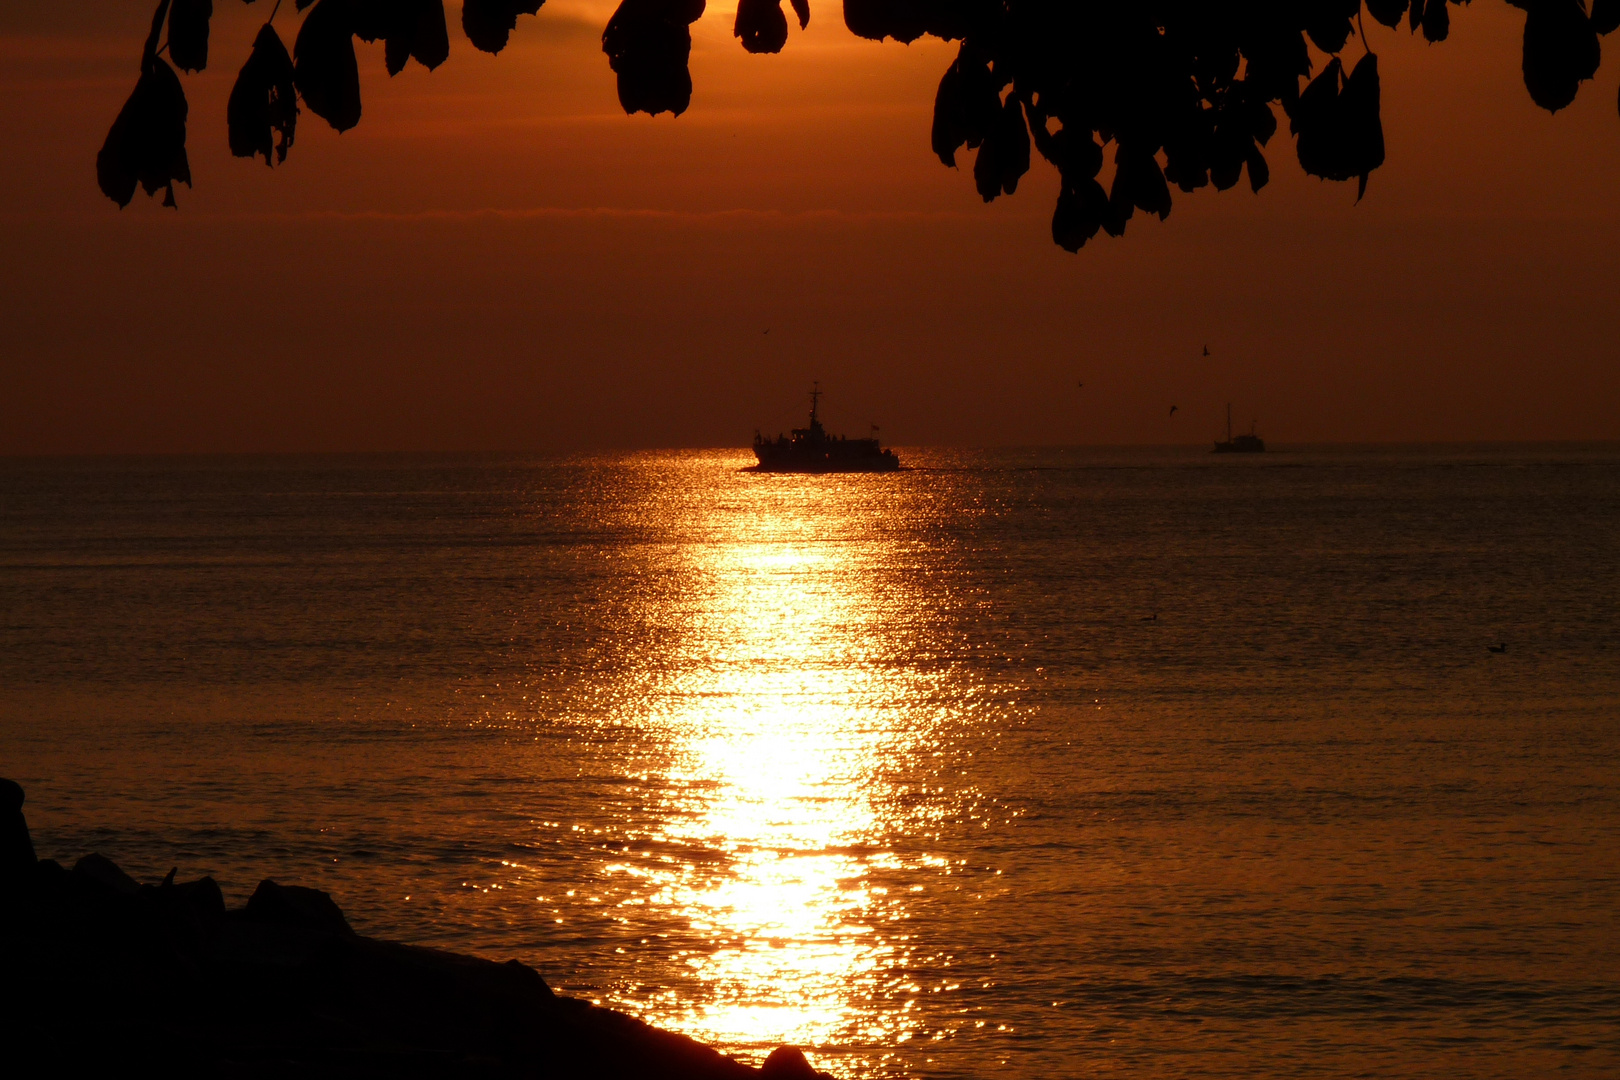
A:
x: 103, y: 970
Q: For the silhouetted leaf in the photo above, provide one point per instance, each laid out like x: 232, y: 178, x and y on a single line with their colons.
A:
x: 1328, y: 22
x: 1277, y: 59
x: 431, y: 45
x: 1262, y: 121
x: 801, y: 8
x: 1115, y: 213
x: 1388, y: 12
x: 324, y: 65
x: 488, y: 24
x: 908, y: 20
x: 761, y: 25
x: 408, y: 28
x: 1004, y: 155
x: 1139, y: 185
x: 947, y: 134
x: 648, y: 43
x: 1316, y: 122
x: 1239, y: 122
x: 188, y: 33
x: 147, y: 142
x: 1362, y: 131
x: 1259, y: 171
x: 1079, y: 215
x: 1229, y: 151
x: 1190, y: 148
x: 966, y: 107
x: 1341, y: 132
x: 1076, y: 154
x: 1606, y: 16
x: 1561, y: 51
x: 262, y: 113
x: 1436, y: 21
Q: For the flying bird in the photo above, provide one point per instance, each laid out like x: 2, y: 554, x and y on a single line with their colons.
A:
x: 1206, y: 350
x: 1080, y: 384
x: 1173, y: 409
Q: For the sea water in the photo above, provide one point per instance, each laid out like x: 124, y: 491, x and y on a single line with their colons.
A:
x: 1132, y: 763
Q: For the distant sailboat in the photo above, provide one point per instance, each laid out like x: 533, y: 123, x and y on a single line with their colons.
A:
x: 1240, y: 444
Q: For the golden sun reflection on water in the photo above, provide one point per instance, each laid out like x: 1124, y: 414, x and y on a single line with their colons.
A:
x: 782, y: 719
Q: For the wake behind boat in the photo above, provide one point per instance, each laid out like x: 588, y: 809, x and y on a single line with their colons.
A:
x: 812, y: 450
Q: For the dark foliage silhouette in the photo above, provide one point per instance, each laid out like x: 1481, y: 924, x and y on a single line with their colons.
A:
x: 762, y: 26
x: 147, y: 142
x: 324, y: 66
x: 188, y: 33
x: 262, y: 113
x: 488, y: 24
x: 1182, y: 93
x: 648, y: 43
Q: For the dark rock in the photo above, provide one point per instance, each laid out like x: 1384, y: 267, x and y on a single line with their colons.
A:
x: 16, y: 846
x: 119, y: 975
x: 202, y: 896
x: 297, y: 906
x: 788, y: 1063
x: 525, y: 980
x: 104, y: 872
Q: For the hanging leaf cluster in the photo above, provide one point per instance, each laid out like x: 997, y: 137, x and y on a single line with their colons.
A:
x: 1337, y: 123
x: 648, y: 43
x: 325, y: 69
x: 262, y: 114
x: 488, y: 24
x: 1181, y: 94
x: 146, y: 146
x: 1561, y: 48
x: 762, y: 26
x: 188, y: 33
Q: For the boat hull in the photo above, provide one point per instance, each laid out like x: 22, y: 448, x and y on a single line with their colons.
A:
x: 1242, y: 444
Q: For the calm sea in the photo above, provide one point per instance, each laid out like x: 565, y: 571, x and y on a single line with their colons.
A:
x: 1023, y: 763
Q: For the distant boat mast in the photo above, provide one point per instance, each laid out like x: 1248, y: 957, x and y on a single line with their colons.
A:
x: 1239, y: 444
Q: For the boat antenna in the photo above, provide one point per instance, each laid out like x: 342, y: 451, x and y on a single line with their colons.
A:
x: 815, y: 394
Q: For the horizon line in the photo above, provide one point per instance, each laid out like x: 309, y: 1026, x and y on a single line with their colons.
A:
x: 1280, y: 448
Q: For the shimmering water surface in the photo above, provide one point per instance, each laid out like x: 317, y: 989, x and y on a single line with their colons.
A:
x: 1058, y: 763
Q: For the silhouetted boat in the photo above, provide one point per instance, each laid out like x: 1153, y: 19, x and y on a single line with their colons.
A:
x: 1239, y: 444
x: 811, y: 449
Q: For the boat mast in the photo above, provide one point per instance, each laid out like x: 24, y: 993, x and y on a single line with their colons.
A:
x: 1228, y: 421
x: 815, y: 394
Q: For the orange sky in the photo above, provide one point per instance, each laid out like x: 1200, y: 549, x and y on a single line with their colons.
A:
x: 499, y: 258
